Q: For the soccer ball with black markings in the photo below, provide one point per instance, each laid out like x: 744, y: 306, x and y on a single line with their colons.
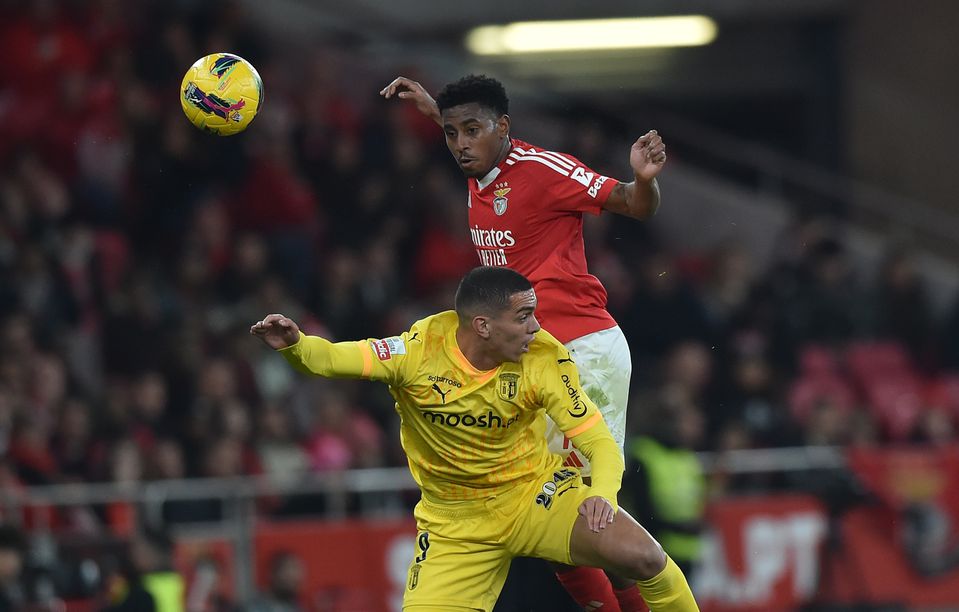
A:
x: 221, y: 94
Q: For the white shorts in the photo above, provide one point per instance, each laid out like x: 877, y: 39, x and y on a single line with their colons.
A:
x: 604, y: 370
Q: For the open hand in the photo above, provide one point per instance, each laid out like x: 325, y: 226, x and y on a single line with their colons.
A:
x: 408, y: 89
x: 277, y: 331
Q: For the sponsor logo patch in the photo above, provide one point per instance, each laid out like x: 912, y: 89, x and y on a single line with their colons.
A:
x: 562, y: 482
x: 578, y: 408
x: 387, y: 347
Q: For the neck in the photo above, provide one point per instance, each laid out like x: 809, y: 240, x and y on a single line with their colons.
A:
x: 472, y: 348
x: 504, y: 151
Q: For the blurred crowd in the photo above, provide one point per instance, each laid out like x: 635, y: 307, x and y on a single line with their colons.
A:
x: 135, y: 251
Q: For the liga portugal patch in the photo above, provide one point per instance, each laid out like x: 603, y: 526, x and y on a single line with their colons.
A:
x: 382, y: 349
x: 387, y: 347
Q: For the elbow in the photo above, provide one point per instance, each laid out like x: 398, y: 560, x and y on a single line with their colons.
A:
x: 652, y: 209
x: 644, y: 212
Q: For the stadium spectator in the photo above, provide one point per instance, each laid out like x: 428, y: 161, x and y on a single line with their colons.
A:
x: 285, y: 587
x: 903, y: 312
x: 12, y: 551
x: 665, y: 481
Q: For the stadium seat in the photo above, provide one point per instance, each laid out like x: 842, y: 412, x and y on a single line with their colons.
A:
x: 870, y: 360
x: 818, y: 360
x: 944, y: 392
x: 807, y: 392
x: 896, y: 402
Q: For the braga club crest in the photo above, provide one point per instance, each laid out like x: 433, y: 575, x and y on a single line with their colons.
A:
x: 508, y: 383
x: 500, y: 201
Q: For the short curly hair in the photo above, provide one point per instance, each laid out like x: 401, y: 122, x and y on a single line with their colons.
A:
x: 481, y: 89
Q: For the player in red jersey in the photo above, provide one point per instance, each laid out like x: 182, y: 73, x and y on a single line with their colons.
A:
x: 526, y: 208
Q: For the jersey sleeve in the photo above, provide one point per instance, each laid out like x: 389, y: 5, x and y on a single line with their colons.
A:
x: 581, y: 421
x: 584, y: 190
x: 384, y: 359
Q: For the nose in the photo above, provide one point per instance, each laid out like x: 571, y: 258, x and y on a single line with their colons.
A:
x: 533, y: 325
x: 462, y: 143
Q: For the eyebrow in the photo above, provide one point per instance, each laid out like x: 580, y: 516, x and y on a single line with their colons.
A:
x: 464, y: 122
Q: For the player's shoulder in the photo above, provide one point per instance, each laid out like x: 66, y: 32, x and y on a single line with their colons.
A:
x: 432, y: 328
x: 419, y: 341
x: 521, y: 146
x: 533, y: 158
x: 546, y: 348
x: 441, y: 321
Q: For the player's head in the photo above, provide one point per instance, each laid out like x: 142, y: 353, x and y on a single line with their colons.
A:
x: 475, y: 112
x: 497, y: 304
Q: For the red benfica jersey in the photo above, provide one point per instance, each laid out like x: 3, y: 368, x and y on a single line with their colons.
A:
x: 527, y: 215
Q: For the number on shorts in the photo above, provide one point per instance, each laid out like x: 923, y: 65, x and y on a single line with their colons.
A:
x: 424, y: 543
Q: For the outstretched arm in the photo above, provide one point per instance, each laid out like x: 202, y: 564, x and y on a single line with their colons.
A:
x: 640, y: 198
x: 319, y: 356
x: 408, y: 89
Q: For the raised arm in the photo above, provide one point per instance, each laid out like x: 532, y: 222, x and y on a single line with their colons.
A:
x: 639, y: 199
x: 408, y: 89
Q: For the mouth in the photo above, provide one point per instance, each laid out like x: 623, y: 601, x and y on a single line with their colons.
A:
x: 466, y: 161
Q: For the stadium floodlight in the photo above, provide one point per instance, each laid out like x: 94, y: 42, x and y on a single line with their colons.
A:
x: 591, y: 35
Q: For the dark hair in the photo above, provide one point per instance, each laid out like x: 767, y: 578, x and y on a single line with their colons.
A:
x: 481, y: 89
x: 487, y: 290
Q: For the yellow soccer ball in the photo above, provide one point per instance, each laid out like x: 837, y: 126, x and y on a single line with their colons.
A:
x: 221, y: 94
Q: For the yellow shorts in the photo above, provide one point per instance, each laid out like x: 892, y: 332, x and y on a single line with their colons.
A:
x: 463, y: 551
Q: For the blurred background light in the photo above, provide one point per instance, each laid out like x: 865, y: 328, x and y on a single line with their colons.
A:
x: 592, y: 34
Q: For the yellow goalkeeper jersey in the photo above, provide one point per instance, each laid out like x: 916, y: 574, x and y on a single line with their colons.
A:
x: 471, y: 434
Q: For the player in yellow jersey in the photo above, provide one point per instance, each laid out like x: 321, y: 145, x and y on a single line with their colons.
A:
x: 472, y: 388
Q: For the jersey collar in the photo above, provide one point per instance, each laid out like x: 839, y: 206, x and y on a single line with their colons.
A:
x: 484, y: 182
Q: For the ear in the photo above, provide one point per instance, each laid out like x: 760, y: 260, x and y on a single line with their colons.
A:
x: 481, y: 327
x: 502, y: 126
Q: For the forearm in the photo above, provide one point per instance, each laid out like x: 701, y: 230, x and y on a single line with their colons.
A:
x: 320, y: 357
x: 434, y: 114
x: 642, y: 198
x: 605, y: 458
x: 638, y: 200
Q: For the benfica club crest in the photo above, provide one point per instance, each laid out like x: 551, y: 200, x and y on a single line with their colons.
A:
x: 500, y: 201
x: 508, y: 385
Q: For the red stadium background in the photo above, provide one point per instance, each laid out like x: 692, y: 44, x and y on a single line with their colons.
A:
x: 796, y: 295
